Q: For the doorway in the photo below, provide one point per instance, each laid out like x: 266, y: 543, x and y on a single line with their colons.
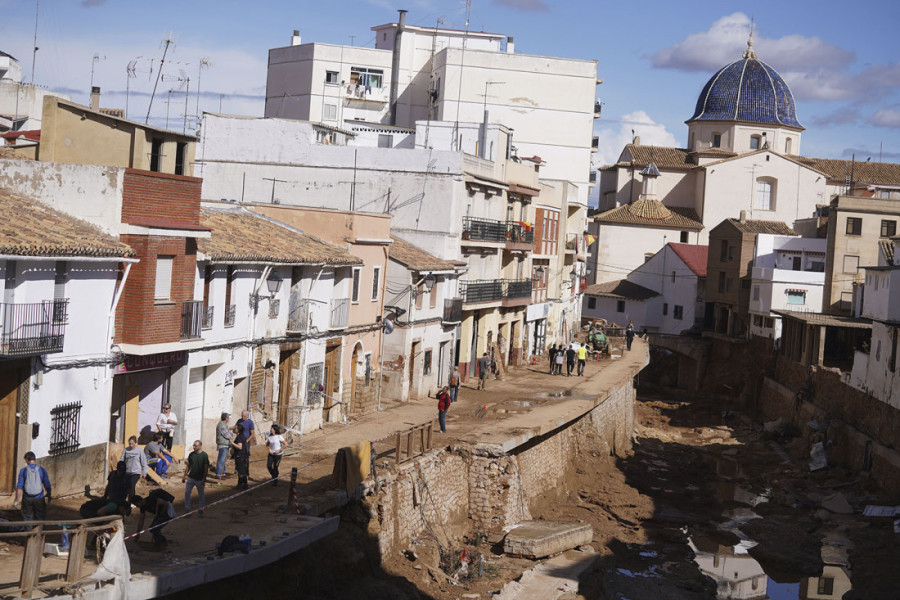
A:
x: 284, y: 385
x: 354, y: 365
x: 331, y: 377
x: 414, y: 352
x: 10, y: 380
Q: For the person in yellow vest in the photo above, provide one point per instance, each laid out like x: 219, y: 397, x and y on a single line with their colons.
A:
x: 582, y: 358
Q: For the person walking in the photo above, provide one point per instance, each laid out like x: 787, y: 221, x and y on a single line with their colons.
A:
x: 165, y: 424
x: 629, y: 334
x: 443, y: 404
x: 241, y: 456
x: 484, y: 368
x: 558, y: 361
x: 33, y: 490
x: 135, y: 464
x: 275, y: 443
x: 224, y: 436
x: 570, y: 360
x: 195, y: 476
x: 552, y: 359
x: 582, y: 359
x: 455, y: 380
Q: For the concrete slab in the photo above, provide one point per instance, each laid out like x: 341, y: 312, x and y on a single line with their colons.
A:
x: 550, y: 580
x: 537, y: 539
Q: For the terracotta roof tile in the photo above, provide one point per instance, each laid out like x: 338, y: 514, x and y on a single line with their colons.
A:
x: 652, y: 213
x: 693, y: 255
x: 773, y: 227
x: 34, y: 229
x: 622, y: 288
x: 663, y: 156
x: 838, y: 171
x: 416, y: 259
x: 240, y: 235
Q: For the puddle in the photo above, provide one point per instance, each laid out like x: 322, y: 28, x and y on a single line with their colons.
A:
x: 558, y: 394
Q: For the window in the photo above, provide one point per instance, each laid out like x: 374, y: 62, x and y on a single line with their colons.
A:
x: 721, y: 282
x: 332, y: 77
x: 851, y: 264
x: 620, y: 306
x: 385, y: 140
x: 592, y: 302
x: 355, y: 295
x: 59, y: 292
x: 788, y: 143
x: 376, y: 280
x: 684, y: 237
x: 723, y: 254
x: 678, y: 312
x: 329, y: 112
x: 755, y: 142
x: 745, y: 284
x: 648, y: 256
x: 717, y: 140
x: 796, y: 297
x: 826, y: 586
x: 665, y: 308
x: 370, y: 78
x: 426, y: 368
x: 728, y: 284
x: 888, y: 228
x: 163, y: 291
x: 180, y: 154
x: 673, y: 276
x: 433, y: 294
x: 156, y: 154
x: 796, y: 263
x: 764, y: 190
x: 64, y: 428
x: 756, y: 292
x: 854, y: 225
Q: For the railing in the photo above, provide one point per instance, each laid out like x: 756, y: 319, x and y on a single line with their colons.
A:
x: 592, y: 177
x: 208, y: 315
x: 340, y: 313
x: 298, y: 319
x: 191, y: 319
x: 33, y: 328
x: 518, y: 288
x: 453, y: 310
x: 491, y: 290
x: 405, y: 445
x: 598, y: 108
x: 230, y: 315
x: 483, y: 230
x: 35, y: 532
x: 362, y: 92
x: 518, y: 233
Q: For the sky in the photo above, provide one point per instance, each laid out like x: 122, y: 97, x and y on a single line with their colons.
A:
x: 840, y: 59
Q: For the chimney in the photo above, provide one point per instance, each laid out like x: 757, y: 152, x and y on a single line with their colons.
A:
x: 637, y: 140
x: 95, y: 98
x: 510, y: 45
x: 743, y: 216
x: 295, y: 39
x: 395, y: 65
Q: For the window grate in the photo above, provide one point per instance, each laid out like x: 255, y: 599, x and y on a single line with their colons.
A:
x: 64, y: 426
x: 315, y: 385
x: 274, y: 308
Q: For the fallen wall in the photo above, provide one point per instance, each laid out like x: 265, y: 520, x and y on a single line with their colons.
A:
x: 464, y: 488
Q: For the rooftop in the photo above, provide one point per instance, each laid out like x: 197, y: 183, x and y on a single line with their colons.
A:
x: 622, y: 289
x: 754, y: 227
x: 241, y: 235
x: 826, y: 320
x: 693, y: 255
x: 652, y: 213
x: 30, y: 228
x: 416, y: 259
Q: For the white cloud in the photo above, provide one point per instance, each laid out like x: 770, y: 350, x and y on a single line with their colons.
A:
x: 525, y: 5
x: 612, y: 141
x: 886, y: 117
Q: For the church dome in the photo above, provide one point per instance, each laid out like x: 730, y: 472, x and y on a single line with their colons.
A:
x: 749, y: 91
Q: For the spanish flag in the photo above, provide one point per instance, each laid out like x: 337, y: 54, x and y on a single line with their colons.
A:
x: 589, y: 239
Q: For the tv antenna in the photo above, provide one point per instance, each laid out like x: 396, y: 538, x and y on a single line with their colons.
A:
x: 168, y: 41
x: 131, y: 72
x: 205, y: 63
x: 184, y: 83
x: 94, y: 60
x: 37, y: 7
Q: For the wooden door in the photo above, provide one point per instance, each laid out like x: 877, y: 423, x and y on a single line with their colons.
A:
x: 10, y: 379
x: 284, y: 387
x: 332, y: 373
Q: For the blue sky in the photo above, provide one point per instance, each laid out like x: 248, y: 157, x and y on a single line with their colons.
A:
x: 842, y: 60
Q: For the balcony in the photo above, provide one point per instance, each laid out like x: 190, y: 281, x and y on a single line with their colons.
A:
x: 598, y: 109
x: 208, y: 314
x: 191, y: 319
x: 34, y: 328
x: 355, y: 91
x: 519, y: 236
x: 230, y: 315
x: 595, y: 143
x: 511, y: 292
x: 514, y: 235
x: 592, y: 178
x: 340, y: 313
x: 298, y: 318
x: 452, y: 311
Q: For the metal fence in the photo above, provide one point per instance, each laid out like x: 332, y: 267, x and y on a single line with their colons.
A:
x: 230, y: 315
x: 33, y: 328
x: 208, y: 315
x: 491, y: 290
x: 191, y: 319
x: 484, y: 230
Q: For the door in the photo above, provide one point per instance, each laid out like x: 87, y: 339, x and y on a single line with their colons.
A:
x: 152, y: 385
x: 10, y: 379
x: 284, y: 386
x: 332, y: 375
x: 443, y: 375
x: 354, y: 362
x: 193, y: 408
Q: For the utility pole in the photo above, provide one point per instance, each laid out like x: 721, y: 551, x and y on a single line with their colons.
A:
x: 37, y: 7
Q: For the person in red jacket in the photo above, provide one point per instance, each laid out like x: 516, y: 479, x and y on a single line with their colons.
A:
x: 443, y: 404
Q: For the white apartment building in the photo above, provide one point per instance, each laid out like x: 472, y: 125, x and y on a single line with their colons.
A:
x: 21, y: 104
x: 788, y: 274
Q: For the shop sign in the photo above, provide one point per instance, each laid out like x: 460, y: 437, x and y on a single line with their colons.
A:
x: 536, y: 312
x: 133, y: 363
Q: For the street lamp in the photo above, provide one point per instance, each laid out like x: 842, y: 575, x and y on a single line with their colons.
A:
x: 273, y: 282
x: 539, y: 274
x: 429, y: 284
x: 573, y: 276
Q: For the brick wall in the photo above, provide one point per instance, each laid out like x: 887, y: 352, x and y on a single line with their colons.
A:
x: 139, y: 318
x: 160, y: 199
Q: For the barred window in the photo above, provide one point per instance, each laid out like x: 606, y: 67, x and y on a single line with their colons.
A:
x: 65, y: 428
x: 274, y: 307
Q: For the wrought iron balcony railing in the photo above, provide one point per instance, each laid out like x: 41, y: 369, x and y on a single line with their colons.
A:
x: 491, y: 230
x: 519, y: 233
x: 230, y: 315
x: 33, y: 328
x: 208, y: 314
x: 191, y: 319
x: 491, y: 290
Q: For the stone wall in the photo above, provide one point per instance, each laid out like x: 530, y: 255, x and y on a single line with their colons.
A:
x: 450, y: 492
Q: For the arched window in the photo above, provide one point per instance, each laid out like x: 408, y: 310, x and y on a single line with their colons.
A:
x: 765, y: 193
x: 755, y: 142
x: 717, y: 140
x: 788, y: 145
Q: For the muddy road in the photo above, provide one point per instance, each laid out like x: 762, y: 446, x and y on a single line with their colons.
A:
x: 708, y: 505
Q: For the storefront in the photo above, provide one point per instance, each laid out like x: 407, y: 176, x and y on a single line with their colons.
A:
x: 536, y: 321
x: 141, y: 386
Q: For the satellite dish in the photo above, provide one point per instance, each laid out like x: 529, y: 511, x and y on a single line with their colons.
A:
x: 387, y: 327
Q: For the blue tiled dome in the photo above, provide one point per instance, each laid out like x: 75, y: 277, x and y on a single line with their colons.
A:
x: 747, y: 90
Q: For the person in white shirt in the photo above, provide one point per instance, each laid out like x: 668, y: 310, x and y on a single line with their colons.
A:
x: 165, y: 424
x: 275, y: 443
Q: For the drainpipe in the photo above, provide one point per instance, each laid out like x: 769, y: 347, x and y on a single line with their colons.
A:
x: 395, y: 65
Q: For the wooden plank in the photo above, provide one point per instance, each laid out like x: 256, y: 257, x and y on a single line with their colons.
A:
x: 397, y: 454
x: 422, y: 440
x: 77, y: 542
x: 430, y: 430
x: 159, y: 480
x: 31, y: 561
x: 409, y: 445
